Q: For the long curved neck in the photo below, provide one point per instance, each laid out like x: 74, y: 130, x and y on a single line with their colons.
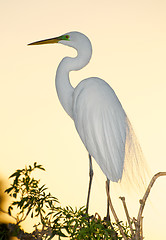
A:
x: 62, y: 82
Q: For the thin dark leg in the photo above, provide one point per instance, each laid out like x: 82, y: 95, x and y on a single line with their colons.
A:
x: 108, y: 212
x: 90, y: 182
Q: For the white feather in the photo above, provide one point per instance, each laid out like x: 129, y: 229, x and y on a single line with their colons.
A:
x: 99, y: 117
x: 101, y: 123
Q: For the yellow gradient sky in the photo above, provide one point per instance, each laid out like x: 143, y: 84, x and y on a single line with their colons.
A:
x: 129, y: 52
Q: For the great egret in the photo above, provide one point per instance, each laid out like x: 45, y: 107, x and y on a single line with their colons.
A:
x: 98, y: 115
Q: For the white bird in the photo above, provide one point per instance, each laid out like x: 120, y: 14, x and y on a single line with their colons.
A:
x: 98, y: 115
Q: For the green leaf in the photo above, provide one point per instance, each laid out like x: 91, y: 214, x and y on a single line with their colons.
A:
x: 8, y: 190
x: 9, y: 210
x: 14, y: 195
x: 58, y: 233
x: 17, y: 173
x: 15, y: 203
x: 40, y: 167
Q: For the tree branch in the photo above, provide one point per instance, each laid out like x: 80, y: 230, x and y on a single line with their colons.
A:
x: 114, y: 213
x: 127, y: 214
x: 138, y: 223
x: 1, y: 210
x: 143, y: 200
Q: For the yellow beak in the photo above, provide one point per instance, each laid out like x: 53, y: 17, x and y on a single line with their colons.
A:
x: 46, y: 41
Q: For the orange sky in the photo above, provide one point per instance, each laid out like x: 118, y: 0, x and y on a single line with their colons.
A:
x: 129, y: 52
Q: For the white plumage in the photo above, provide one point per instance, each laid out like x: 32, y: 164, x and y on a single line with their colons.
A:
x: 93, y: 105
x: 101, y: 123
x: 98, y: 115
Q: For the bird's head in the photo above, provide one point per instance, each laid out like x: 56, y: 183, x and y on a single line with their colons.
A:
x: 71, y: 39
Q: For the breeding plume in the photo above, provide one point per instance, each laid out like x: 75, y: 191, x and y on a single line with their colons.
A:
x: 98, y: 115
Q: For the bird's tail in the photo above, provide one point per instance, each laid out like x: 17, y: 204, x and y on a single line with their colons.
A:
x: 136, y: 172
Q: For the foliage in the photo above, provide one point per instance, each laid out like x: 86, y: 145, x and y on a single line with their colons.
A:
x: 33, y: 200
x: 79, y: 225
x: 4, y: 233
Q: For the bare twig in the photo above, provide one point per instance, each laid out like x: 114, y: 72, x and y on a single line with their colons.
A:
x: 141, y: 228
x: 24, y: 217
x: 143, y: 200
x: 138, y: 223
x: 114, y: 213
x: 1, y: 210
x: 127, y: 214
x: 35, y: 235
x: 138, y: 235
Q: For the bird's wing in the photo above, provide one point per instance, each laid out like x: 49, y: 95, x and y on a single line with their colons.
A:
x: 101, y: 123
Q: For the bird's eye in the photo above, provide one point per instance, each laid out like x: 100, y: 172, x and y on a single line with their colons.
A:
x: 67, y: 36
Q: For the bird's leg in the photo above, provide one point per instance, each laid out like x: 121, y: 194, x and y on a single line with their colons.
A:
x: 108, y: 212
x: 90, y: 182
